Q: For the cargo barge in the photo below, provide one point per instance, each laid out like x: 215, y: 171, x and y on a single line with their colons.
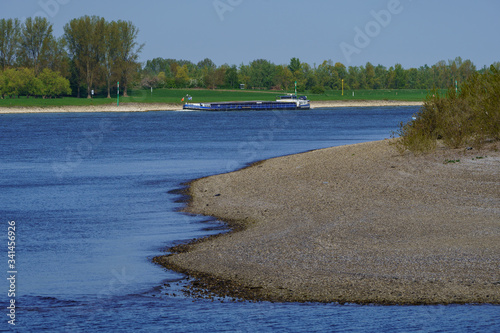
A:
x: 288, y: 102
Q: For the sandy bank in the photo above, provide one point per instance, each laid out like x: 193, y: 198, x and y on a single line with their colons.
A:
x: 144, y: 107
x: 361, y: 103
x: 357, y: 223
x: 124, y: 107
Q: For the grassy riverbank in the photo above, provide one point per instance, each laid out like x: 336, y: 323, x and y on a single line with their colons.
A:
x: 174, y: 96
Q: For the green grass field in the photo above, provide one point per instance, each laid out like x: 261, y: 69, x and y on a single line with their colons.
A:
x: 204, y: 95
x: 412, y: 95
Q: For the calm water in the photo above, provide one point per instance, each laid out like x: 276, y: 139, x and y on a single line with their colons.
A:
x: 90, y: 197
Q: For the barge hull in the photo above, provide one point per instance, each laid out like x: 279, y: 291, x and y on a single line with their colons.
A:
x: 244, y: 106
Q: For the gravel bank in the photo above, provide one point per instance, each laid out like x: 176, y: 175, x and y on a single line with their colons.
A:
x: 357, y: 223
x: 124, y: 107
x: 361, y: 103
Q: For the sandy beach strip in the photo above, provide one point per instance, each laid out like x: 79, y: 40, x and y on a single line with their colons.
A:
x: 124, y: 107
x: 358, y: 223
x: 146, y: 107
x: 361, y: 103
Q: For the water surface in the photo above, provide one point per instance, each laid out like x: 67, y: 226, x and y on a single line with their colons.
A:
x: 91, y: 196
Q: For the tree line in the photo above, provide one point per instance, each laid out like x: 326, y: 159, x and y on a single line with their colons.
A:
x: 32, y: 61
x: 24, y: 82
x: 92, y: 54
x: 95, y: 54
x: 262, y: 74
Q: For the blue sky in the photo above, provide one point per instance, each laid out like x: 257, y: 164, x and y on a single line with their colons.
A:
x: 410, y: 32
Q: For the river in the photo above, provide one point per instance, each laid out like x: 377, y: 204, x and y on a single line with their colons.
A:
x: 91, y: 197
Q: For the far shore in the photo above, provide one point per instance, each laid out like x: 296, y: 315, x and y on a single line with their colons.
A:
x: 146, y: 107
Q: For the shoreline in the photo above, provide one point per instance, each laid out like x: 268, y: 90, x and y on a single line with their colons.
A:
x: 124, y: 107
x: 361, y: 103
x: 148, y: 107
x: 350, y: 224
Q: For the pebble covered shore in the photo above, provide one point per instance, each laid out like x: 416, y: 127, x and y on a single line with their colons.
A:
x: 358, y: 223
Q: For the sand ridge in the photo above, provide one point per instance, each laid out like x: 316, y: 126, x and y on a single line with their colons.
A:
x: 145, y: 107
x: 361, y: 103
x: 124, y: 107
x: 357, y: 223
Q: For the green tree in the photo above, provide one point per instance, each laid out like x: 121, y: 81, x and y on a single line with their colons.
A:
x: 308, y: 78
x: 10, y: 32
x: 294, y: 65
x: 3, y: 85
x: 342, y: 74
x: 111, y: 61
x: 206, y: 63
x: 209, y: 77
x: 361, y: 78
x: 128, y: 53
x: 327, y: 76
x: 295, y: 68
x: 466, y: 70
x: 391, y: 79
x: 453, y: 70
x: 35, y: 41
x: 425, y: 78
x: 22, y: 82
x: 244, y: 75
x: 85, y: 37
x: 207, y: 69
x: 400, y: 77
x: 352, y: 78
x: 379, y: 82
x: 220, y: 74
x: 182, y: 76
x: 157, y: 65
x: 10, y: 83
x: 412, y: 77
x: 261, y: 74
x: 441, y: 74
x: 162, y: 79
x: 53, y: 84
x: 231, y: 78
x: 370, y: 76
x: 56, y: 58
x: 283, y: 77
